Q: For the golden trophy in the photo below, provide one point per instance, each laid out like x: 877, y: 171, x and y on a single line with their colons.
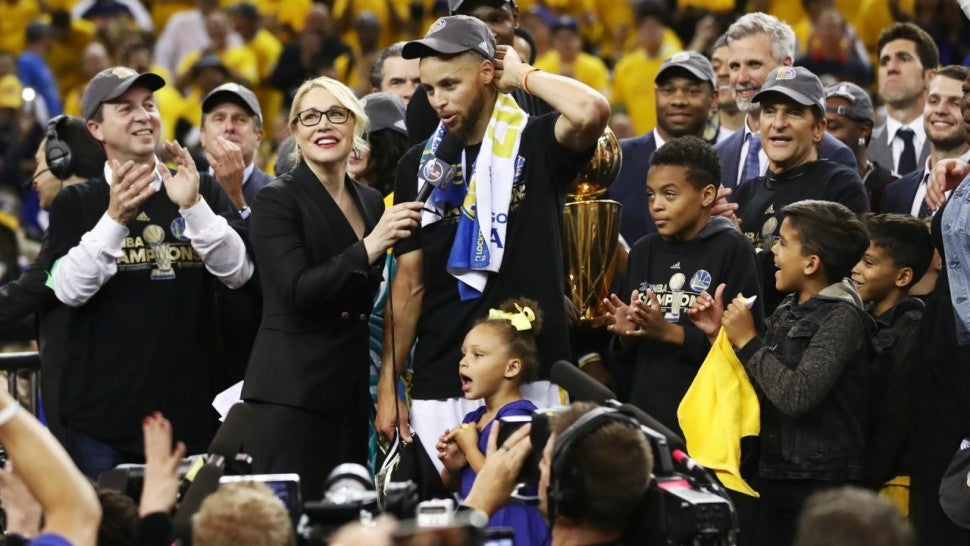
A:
x: 590, y: 232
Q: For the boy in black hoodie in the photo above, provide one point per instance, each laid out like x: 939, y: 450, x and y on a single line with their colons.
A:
x: 899, y: 253
x: 811, y: 367
x: 667, y: 270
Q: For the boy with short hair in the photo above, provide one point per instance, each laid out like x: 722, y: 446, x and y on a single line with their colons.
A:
x: 811, y: 367
x: 667, y: 270
x: 900, y: 251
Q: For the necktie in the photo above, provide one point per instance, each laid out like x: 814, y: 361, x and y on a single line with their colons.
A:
x: 907, y: 160
x: 924, y: 210
x: 752, y: 166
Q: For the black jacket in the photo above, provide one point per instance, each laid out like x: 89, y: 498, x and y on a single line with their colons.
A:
x: 811, y: 371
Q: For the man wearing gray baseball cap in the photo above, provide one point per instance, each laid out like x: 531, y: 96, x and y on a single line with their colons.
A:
x: 523, y: 163
x: 850, y: 118
x: 792, y: 118
x: 138, y: 251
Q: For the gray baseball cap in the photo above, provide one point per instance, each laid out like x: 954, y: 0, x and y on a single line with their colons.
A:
x: 452, y: 35
x: 454, y: 5
x: 235, y: 93
x: 691, y: 61
x: 385, y: 111
x: 111, y: 83
x: 860, y: 104
x: 796, y: 83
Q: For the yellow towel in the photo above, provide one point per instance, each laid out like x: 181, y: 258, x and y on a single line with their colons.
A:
x: 720, y: 408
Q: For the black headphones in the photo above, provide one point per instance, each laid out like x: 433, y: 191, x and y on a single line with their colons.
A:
x: 60, y: 159
x: 566, y: 493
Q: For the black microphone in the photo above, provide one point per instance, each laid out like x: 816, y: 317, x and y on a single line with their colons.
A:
x: 437, y: 171
x: 583, y: 387
x: 231, y: 434
x: 205, y: 483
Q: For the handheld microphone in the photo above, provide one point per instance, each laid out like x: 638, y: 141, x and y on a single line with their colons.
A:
x: 231, y: 434
x: 205, y: 483
x: 437, y: 171
x: 583, y: 387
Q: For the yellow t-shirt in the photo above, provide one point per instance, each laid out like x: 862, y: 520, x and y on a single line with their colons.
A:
x: 633, y: 87
x: 588, y: 69
x: 380, y: 9
x: 16, y: 15
x: 64, y: 58
x: 291, y: 13
x: 241, y: 59
x: 162, y: 10
x: 171, y: 104
x: 267, y: 49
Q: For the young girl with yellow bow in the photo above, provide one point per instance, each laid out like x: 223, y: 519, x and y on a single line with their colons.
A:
x: 498, y: 355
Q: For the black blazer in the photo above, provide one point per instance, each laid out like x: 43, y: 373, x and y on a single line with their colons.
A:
x: 630, y: 187
x: 318, y: 287
x: 899, y: 195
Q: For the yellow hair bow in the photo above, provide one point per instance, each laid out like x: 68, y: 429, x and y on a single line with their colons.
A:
x: 522, y: 320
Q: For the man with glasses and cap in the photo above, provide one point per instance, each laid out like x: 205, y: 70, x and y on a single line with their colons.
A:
x: 850, y: 117
x: 138, y: 252
x: 792, y: 119
x: 473, y: 252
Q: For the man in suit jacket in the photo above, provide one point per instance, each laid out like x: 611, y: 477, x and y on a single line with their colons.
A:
x: 946, y: 133
x: 232, y: 129
x: 757, y: 44
x: 907, y: 61
x: 686, y: 92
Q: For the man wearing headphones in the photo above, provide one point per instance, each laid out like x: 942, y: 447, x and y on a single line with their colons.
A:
x: 69, y: 154
x: 595, y: 467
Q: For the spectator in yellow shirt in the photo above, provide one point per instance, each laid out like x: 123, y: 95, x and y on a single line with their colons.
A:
x: 240, y: 61
x: 69, y: 36
x: 267, y: 47
x: 633, y: 89
x: 16, y: 14
x: 567, y: 57
x: 94, y: 59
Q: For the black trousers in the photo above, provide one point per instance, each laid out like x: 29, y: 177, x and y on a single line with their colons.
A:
x: 311, y: 444
x: 780, y: 504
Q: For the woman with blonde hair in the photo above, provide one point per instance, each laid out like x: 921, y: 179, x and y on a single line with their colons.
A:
x: 319, y: 240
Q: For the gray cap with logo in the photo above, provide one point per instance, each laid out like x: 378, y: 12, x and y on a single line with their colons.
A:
x: 690, y: 61
x: 452, y: 35
x: 111, y: 83
x: 860, y: 104
x: 235, y: 93
x: 795, y: 82
x: 455, y: 5
x: 385, y: 111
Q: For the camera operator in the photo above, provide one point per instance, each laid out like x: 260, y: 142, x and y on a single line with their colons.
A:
x: 592, y: 474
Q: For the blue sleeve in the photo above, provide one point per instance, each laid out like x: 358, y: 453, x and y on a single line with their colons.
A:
x: 48, y: 539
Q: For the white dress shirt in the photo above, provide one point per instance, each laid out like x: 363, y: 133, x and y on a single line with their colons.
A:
x: 896, y: 144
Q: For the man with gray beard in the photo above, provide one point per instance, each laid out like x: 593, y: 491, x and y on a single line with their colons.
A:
x: 757, y: 44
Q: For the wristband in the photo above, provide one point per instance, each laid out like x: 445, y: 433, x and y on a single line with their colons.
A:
x: 525, y: 79
x: 8, y: 413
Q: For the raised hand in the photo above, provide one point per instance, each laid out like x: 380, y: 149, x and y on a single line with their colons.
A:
x: 945, y: 176
x: 738, y: 322
x: 707, y: 310
x: 183, y: 188
x: 130, y: 188
x: 161, y: 482
x: 508, y: 69
x: 225, y: 158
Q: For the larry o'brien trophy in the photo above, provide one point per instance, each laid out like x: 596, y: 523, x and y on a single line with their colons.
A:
x: 154, y: 235
x: 590, y: 232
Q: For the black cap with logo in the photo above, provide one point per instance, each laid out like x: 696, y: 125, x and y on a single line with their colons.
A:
x: 452, y: 35
x: 111, y: 83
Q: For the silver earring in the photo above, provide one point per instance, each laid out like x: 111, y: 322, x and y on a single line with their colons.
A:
x: 862, y: 142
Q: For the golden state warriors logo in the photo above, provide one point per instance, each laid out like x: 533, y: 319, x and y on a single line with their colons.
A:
x: 438, y: 25
x: 681, y: 57
x: 785, y: 73
x: 123, y: 72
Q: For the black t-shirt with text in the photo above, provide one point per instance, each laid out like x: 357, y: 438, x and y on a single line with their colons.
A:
x: 532, y: 266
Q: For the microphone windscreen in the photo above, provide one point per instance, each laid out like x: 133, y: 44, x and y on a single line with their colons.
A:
x: 449, y: 149
x: 580, y: 386
x: 205, y: 483
x: 233, y: 431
